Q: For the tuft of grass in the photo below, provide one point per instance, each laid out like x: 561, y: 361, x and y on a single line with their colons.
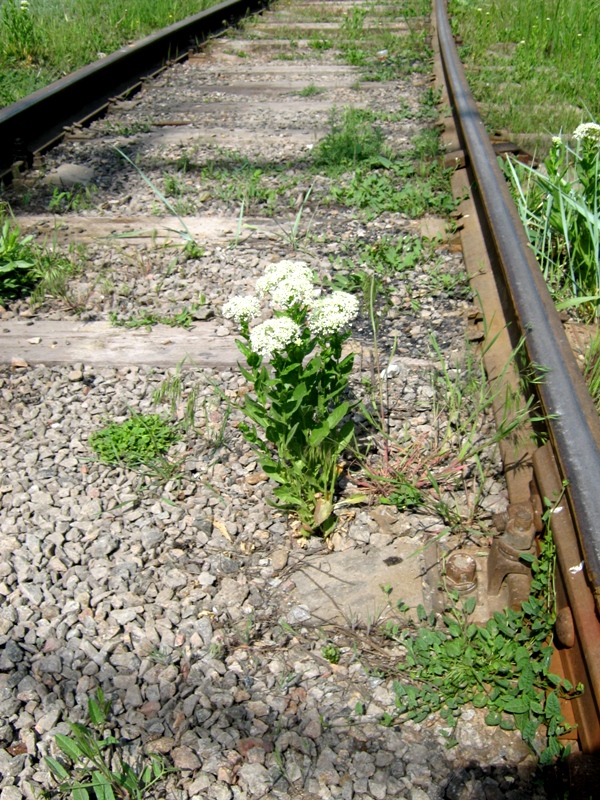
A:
x: 78, y: 198
x: 29, y: 269
x: 182, y: 319
x: 558, y: 205
x: 139, y: 440
x: 351, y: 140
x: 311, y: 90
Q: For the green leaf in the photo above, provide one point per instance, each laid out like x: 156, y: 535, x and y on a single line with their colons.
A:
x: 79, y: 792
x: 158, y: 766
x: 102, y: 788
x: 319, y: 434
x: 577, y: 301
x: 469, y: 605
x: 69, y: 747
x: 553, y: 706
x: 57, y: 768
x: 493, y: 718
x: 95, y: 714
x: 355, y: 499
x: 515, y: 705
x: 337, y: 415
x: 421, y: 613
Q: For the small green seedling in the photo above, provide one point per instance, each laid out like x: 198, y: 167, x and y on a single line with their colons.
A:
x: 89, y: 761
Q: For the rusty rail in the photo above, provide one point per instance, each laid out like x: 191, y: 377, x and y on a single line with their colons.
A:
x: 567, y: 470
x: 35, y: 123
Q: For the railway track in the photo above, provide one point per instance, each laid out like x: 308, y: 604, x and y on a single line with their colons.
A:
x: 508, y: 286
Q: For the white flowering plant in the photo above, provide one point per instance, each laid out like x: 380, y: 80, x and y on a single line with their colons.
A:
x: 298, y: 412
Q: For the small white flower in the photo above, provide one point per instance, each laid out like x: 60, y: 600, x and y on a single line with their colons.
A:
x: 273, y: 336
x: 288, y: 282
x: 588, y: 131
x: 293, y: 291
x: 242, y: 309
x: 331, y: 314
x: 556, y: 140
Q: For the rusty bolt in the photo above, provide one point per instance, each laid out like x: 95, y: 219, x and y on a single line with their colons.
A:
x: 564, y: 627
x: 520, y: 531
x: 461, y: 571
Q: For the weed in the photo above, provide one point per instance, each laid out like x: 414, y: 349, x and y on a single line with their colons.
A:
x: 138, y: 441
x: 182, y: 319
x: 91, y: 755
x: 559, y: 210
x: 331, y: 652
x: 52, y: 272
x: 173, y: 186
x: 417, y: 471
x: 318, y: 43
x: 399, y: 189
x: 353, y: 22
x: 16, y: 261
x: 78, y: 198
x: 298, y: 402
x: 591, y: 369
x: 311, y: 90
x: 502, y: 666
x: 351, y: 140
x: 126, y: 128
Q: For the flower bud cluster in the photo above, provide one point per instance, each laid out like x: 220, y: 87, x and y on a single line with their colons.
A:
x: 290, y: 286
x: 587, y: 132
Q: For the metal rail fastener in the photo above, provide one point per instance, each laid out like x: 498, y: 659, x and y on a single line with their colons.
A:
x: 573, y: 421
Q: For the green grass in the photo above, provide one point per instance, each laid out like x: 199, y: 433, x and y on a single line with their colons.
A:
x: 50, y: 38
x: 412, y: 183
x: 351, y: 140
x: 532, y: 63
x: 591, y: 369
x: 182, y: 319
x: 558, y: 205
x: 140, y: 439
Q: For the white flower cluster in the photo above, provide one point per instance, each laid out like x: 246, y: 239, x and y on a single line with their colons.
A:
x: 242, y: 309
x: 588, y: 131
x: 289, y: 283
x: 332, y: 314
x: 273, y: 336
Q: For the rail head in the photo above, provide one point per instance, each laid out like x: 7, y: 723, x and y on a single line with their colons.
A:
x: 573, y: 421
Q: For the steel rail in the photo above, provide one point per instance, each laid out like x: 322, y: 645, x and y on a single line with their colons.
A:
x: 573, y: 421
x: 36, y: 122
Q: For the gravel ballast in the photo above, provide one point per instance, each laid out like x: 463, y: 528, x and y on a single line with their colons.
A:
x: 186, y: 597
